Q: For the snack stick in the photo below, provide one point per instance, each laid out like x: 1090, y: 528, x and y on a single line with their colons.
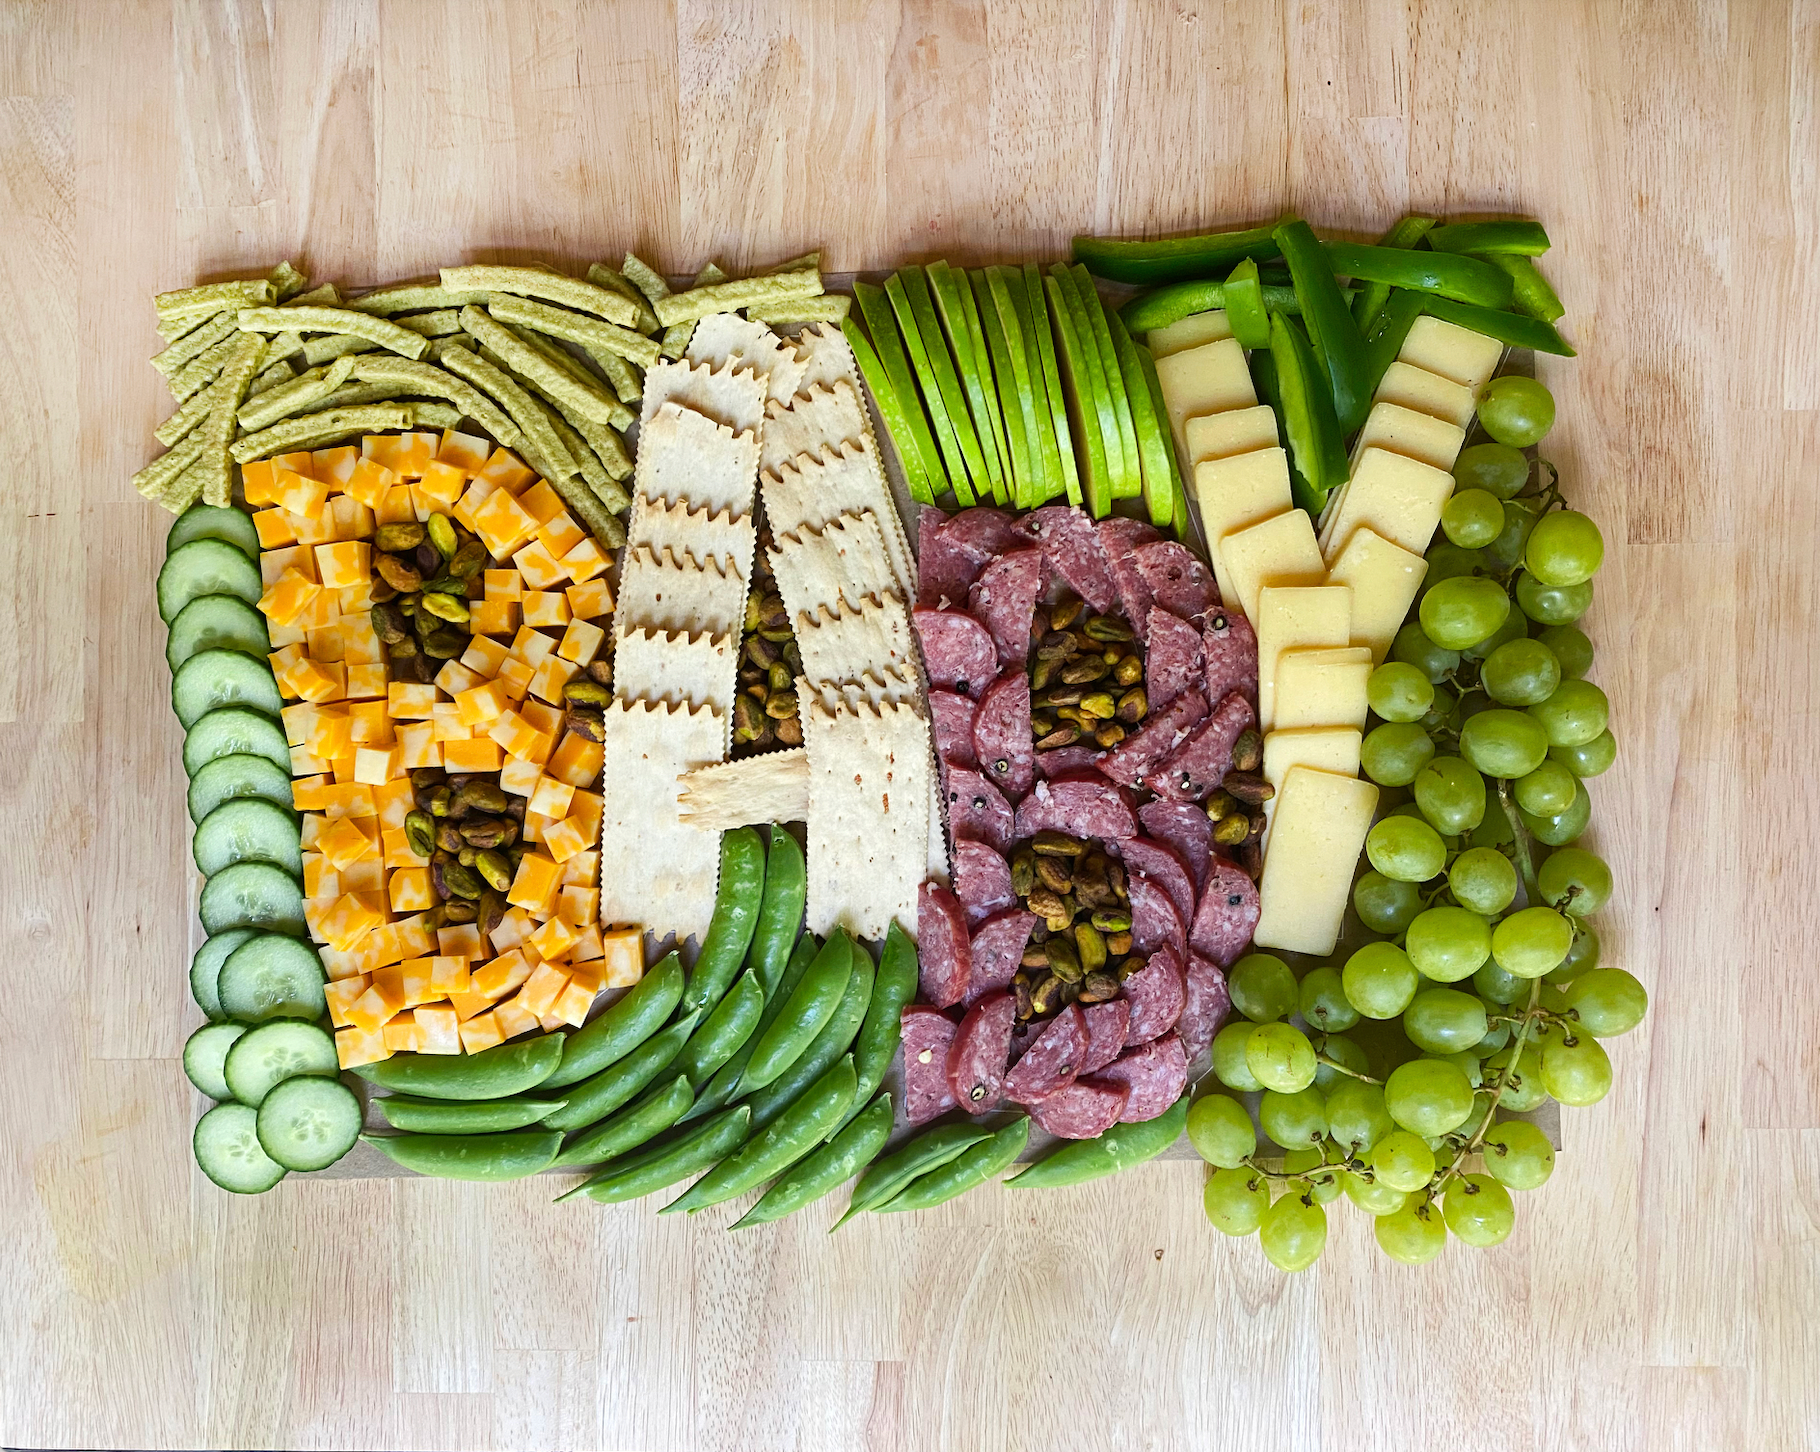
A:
x: 196, y: 341
x: 615, y: 281
x: 831, y: 307
x: 553, y: 287
x: 726, y: 297
x: 539, y: 439
x: 213, y: 297
x: 427, y: 378
x: 591, y: 333
x: 413, y: 297
x: 312, y: 429
x: 525, y: 360
x: 333, y: 320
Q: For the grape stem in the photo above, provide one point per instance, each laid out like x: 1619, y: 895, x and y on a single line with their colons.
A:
x: 1341, y: 1068
x: 1531, y: 1014
x: 1519, y: 841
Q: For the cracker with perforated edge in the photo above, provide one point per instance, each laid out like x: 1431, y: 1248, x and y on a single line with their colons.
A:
x: 676, y: 669
x: 684, y: 455
x: 810, y: 422
x: 815, y: 488
x: 732, y: 394
x: 769, y: 788
x: 665, y: 591
x: 845, y: 642
x: 723, y: 338
x: 827, y: 358
x: 680, y: 527
x: 843, y: 560
x: 884, y: 684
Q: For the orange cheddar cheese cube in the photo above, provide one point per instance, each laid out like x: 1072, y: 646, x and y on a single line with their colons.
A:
x: 326, y: 643
x: 392, y: 804
x: 581, y: 642
x: 578, y: 906
x: 469, y: 1005
x: 545, y: 717
x: 398, y: 854
x: 366, y: 875
x: 552, y: 797
x: 532, y: 646
x: 341, y: 994
x: 563, y: 839
x: 560, y: 534
x: 319, y: 680
x: 623, y: 954
x: 482, y: 1031
x: 503, y: 975
x: 365, y: 682
x: 586, y: 808
x: 324, y: 608
x: 541, y: 569
x: 360, y: 960
x: 273, y: 563
x: 590, y: 599
x: 410, y: 700
x: 314, y: 529
x: 348, y: 799
x: 288, y: 597
x: 552, y: 1020
x: 307, y: 795
x: 577, y: 760
x: 519, y: 778
x: 515, y: 677
x: 536, y: 881
x: 441, y: 483
x: 356, y: 1046
x: 543, y: 987
x: 502, y: 523
x: 554, y: 938
x: 482, y: 705
x: 587, y: 947
x: 541, y: 502
x: 348, y: 562
x: 414, y: 981
x: 547, y: 682
x: 342, y: 768
x: 581, y: 870
x: 299, y: 494
x: 531, y: 829
x: 461, y: 940
x: 492, y: 617
x: 348, y: 921
x: 410, y: 889
x: 573, y: 1003
x: 273, y: 527
x: 402, y: 1035
x: 446, y: 719
x: 438, y: 1029
x: 545, y: 607
x: 343, y: 843
x: 313, y: 822
x: 505, y: 470
x: 327, y: 732
x: 369, y: 482
x: 513, y: 1018
x: 353, y: 520
x: 283, y: 635
x: 503, y: 584
x: 454, y: 678
x: 515, y: 735
x: 281, y: 661
x: 319, y: 879
x: 584, y: 561
x: 397, y: 507
x: 302, y: 462
x: 449, y: 974
x: 418, y: 746
x: 359, y: 641
x: 467, y: 452
x: 484, y: 657
x: 334, y: 466
x: 477, y: 494
x: 513, y: 928
x: 256, y: 481
x: 470, y: 756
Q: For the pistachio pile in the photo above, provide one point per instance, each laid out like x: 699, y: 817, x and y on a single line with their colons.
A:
x: 1080, y: 950
x: 469, y: 829
x: 423, y: 574
x: 765, y: 711
x: 1087, y: 681
x: 1236, y: 806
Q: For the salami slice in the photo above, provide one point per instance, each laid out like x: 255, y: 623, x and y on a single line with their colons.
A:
x: 957, y: 650
x: 1066, y: 760
x: 981, y: 1050
x: 1002, y: 744
x: 1227, y: 915
x: 1162, y: 866
x: 945, y: 960
x: 984, y: 533
x: 998, y: 948
x: 1119, y: 537
x: 1131, y: 760
x: 1156, y: 993
x: 928, y: 1034
x: 1086, y: 1109
x: 1201, y: 762
x: 1229, y: 649
x: 1106, y: 1025
x: 982, y: 881
x: 1204, y: 1006
x: 944, y: 571
x: 1073, y: 550
x: 1172, y: 658
x: 1155, y: 924
x: 951, y: 722
x: 1080, y: 806
x: 1154, y: 1076
x: 1183, y: 828
x: 1052, y: 1061
x: 1179, y: 582
x: 978, y: 811
x: 1004, y: 597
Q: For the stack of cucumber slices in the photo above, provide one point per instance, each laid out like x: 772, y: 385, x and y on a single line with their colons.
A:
x: 264, y: 1054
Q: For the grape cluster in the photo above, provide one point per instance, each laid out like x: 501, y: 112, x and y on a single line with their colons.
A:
x: 1382, y: 1076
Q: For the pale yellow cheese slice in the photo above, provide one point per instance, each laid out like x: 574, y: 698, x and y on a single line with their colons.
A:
x: 1467, y: 358
x: 1397, y: 497
x: 1243, y: 490
x: 1188, y: 332
x: 1415, y: 435
x: 1385, y: 579
x: 1236, y: 431
x: 1279, y: 551
x: 1321, y: 688
x: 1416, y: 388
x: 1325, y: 748
x: 1318, y: 829
x: 1210, y: 378
x: 1296, y: 617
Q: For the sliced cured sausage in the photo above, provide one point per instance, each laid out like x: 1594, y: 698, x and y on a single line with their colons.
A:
x: 980, y: 1053
x: 928, y: 1034
x: 1172, y: 658
x: 1155, y: 923
x: 1156, y: 993
x: 998, y: 947
x: 944, y: 957
x: 1183, y: 828
x: 1086, y: 1109
x: 1227, y: 914
x: 1201, y: 762
x: 1003, y: 599
x: 1229, y: 650
x: 957, y: 650
x: 1064, y: 760
x: 1131, y: 760
x: 951, y: 723
x: 1073, y: 550
x: 1119, y: 537
x: 1204, y: 1007
x: 977, y: 810
x: 1154, y: 1076
x: 1081, y: 806
x: 944, y: 571
x: 982, y: 880
x: 1002, y: 743
x: 984, y: 532
x: 1106, y: 1025
x: 1178, y: 580
x: 1052, y: 1061
x: 1165, y: 868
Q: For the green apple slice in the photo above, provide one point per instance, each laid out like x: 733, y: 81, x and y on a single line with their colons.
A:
x: 1094, y: 372
x: 1045, y: 457
x: 1036, y: 480
x: 970, y: 365
x: 942, y: 361
x: 999, y: 349
x: 1178, y: 488
x: 1077, y: 389
x: 889, y: 345
x: 891, y: 410
x: 1052, y: 381
x: 945, y: 437
x: 976, y: 329
x: 1153, y: 446
x: 1129, y: 482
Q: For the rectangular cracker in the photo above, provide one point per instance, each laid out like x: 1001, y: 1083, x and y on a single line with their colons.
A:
x: 721, y: 339
x: 732, y: 394
x: 815, y: 418
x: 685, y: 455
x: 819, y: 486
x: 679, y: 593
x: 843, y: 560
x: 889, y: 683
x: 827, y: 358
x: 678, y: 527
x: 769, y: 788
x: 846, y: 642
x: 657, y: 870
x: 676, y: 669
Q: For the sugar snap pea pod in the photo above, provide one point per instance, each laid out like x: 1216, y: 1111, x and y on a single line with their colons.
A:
x: 726, y: 1084
x: 595, y: 1098
x: 444, y: 1116
x: 1527, y: 239
x: 1448, y: 274
x: 810, y: 1005
x: 1369, y: 300
x: 930, y: 1150
x: 774, y: 1149
x: 839, y: 1160
x: 650, y: 1116
x: 724, y: 1031
x: 835, y: 1039
x: 664, y: 1165
x: 1512, y: 329
x: 491, y: 1074
x: 742, y: 888
x: 879, y: 1036
x: 973, y: 1167
x: 1384, y: 339
x: 1337, y: 341
x: 1119, y: 1148
x: 1170, y: 259
x: 1530, y: 291
x: 1306, y: 410
x: 780, y: 915
x: 471, y: 1156
x: 624, y: 1026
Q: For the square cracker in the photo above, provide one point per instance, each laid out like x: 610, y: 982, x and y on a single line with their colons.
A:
x: 769, y: 788
x: 838, y: 479
x: 846, y: 642
x: 812, y: 421
x: 679, y: 593
x: 676, y: 669
x: 732, y: 394
x: 870, y: 786
x: 844, y: 560
x: 723, y: 338
x: 685, y: 456
x: 827, y: 357
x: 875, y: 688
x: 656, y: 869
x: 680, y: 527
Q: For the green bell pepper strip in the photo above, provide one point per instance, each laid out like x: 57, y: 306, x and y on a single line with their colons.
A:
x: 1512, y: 329
x: 1369, y: 301
x: 1264, y: 379
x: 1306, y: 410
x: 648, y: 1118
x: 893, y: 987
x: 891, y: 410
x: 453, y: 1116
x: 835, y: 1039
x: 725, y: 1085
x: 810, y: 1005
x: 1116, y: 435
x: 972, y: 1167
x: 736, y: 905
x: 494, y: 1073
x: 780, y: 915
x: 1179, y: 300
x: 875, y: 307
x: 667, y: 1163
x: 1524, y: 238
x: 961, y: 472
x: 1245, y: 311
x: 1388, y: 330
x: 624, y: 1026
x: 1119, y: 1148
x: 930, y: 1150
x: 1447, y: 274
x: 471, y: 1156
x: 594, y: 1099
x: 1337, y: 341
x: 843, y: 1157
x: 1171, y: 259
x: 1529, y: 289
x: 723, y: 1032
x: 1154, y: 435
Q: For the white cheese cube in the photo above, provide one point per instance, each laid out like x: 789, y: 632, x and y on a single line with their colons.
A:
x: 1418, y: 436
x: 1210, y: 378
x: 1322, y: 688
x: 1415, y: 388
x: 1243, y: 490
x: 1325, y: 748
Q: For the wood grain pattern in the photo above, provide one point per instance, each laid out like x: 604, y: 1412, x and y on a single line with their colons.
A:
x: 1658, y: 1294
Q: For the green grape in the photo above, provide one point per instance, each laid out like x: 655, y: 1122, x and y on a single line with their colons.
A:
x: 1371, y: 1195
x: 1520, y: 672
x: 1495, y: 1038
x: 1608, y: 1002
x: 1323, y: 1184
x: 1565, y: 548
x: 1379, y: 980
x: 1385, y: 905
x: 1576, y: 1069
x: 1448, y: 943
x: 1413, y: 1235
x: 1323, y: 1001
x: 1397, y: 691
x: 1497, y: 984
x: 1523, y: 1090
x: 1483, y: 880
x: 1506, y: 551
x: 1356, y: 1116
x: 1515, y: 627
x: 1532, y: 941
x: 1406, y: 849
x: 1478, y: 1210
x: 1496, y: 468
x: 1576, y: 713
x: 1219, y: 1128
x: 1229, y: 1065
x: 1444, y: 1020
x: 1280, y: 1057
x: 1473, y: 518
x: 1577, y: 880
x: 1518, y: 1155
x: 1582, y: 957
x: 1438, y: 715
x: 1558, y: 831
x: 1547, y: 791
x: 1473, y: 702
x: 1451, y: 795
x: 1235, y: 1200
x: 1292, y: 1233
x: 1447, y: 561
x: 1467, y: 1062
x: 1571, y: 648
x: 1262, y: 987
x: 1552, y: 999
x: 1462, y: 611
x: 1342, y: 1051
x: 1294, y: 1119
x: 1504, y: 743
x: 1428, y: 1096
x: 1517, y: 411
x: 1402, y: 1160
x: 1552, y: 604
x: 1589, y: 759
x: 1414, y: 648
x: 1394, y: 752
x: 1493, y: 832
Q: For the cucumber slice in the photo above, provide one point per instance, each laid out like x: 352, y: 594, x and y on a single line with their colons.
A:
x: 309, y: 1123
x: 205, y: 970
x: 268, y: 1055
x: 1077, y: 395
x: 205, y: 521
x: 227, y: 1148
x: 271, y: 976
x: 214, y: 678
x: 204, y: 1055
x: 1052, y: 381
x: 247, y: 830
x: 1129, y: 480
x: 216, y: 622
x: 253, y: 895
x: 206, y: 567
x: 230, y: 778
x: 230, y: 731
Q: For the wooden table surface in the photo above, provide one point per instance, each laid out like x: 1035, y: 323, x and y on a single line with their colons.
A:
x: 1659, y: 1293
